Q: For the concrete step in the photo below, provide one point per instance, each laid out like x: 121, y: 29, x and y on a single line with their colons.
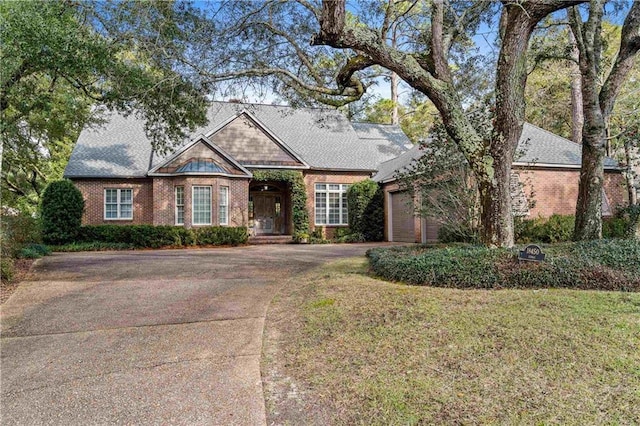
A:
x: 271, y: 239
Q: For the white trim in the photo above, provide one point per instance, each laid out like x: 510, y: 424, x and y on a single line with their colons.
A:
x: 343, y: 195
x: 227, y: 175
x: 220, y: 188
x: 273, y: 166
x: 193, y: 210
x: 175, y: 204
x: 118, y: 203
x: 557, y: 166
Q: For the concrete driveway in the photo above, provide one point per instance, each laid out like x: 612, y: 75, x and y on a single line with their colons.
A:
x: 153, y: 337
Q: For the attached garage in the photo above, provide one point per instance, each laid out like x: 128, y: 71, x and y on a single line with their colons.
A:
x: 402, y: 217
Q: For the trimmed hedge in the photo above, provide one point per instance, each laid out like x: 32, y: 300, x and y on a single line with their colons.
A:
x: 62, y: 206
x: 595, y: 265
x: 366, y: 211
x: 149, y: 236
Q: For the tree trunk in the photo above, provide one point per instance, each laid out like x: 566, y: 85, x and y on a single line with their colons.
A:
x: 628, y: 173
x: 395, y: 117
x: 577, y: 115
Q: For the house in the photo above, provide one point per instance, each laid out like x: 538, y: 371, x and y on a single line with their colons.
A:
x: 209, y: 179
x: 217, y: 176
x: 544, y: 181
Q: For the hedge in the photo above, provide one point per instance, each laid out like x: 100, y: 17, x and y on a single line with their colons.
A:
x: 366, y: 211
x: 61, y: 211
x: 600, y: 265
x: 149, y: 236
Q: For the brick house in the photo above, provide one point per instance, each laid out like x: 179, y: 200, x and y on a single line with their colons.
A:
x: 545, y: 178
x: 209, y: 179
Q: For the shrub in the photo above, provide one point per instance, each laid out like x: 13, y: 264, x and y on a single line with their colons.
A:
x: 615, y: 227
x: 603, y: 265
x: 61, y: 212
x: 34, y: 251
x: 91, y: 246
x: 18, y: 230
x: 555, y: 229
x: 6, y: 268
x: 449, y: 233
x: 149, y: 236
x: 366, y: 210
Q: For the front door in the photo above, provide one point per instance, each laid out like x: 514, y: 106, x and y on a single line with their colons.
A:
x: 264, y: 206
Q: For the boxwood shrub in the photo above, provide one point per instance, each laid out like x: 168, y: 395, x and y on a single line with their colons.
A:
x: 150, y: 236
x: 603, y: 265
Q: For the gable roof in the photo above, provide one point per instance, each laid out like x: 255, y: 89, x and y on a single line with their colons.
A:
x: 537, y: 148
x: 321, y: 138
x: 201, y: 139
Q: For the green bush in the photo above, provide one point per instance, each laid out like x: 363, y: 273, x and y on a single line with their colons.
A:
x: 33, y: 251
x: 366, y: 210
x: 91, y: 246
x: 149, y: 236
x: 449, y: 233
x: 6, y: 268
x: 61, y: 212
x: 18, y: 230
x: 603, y: 265
x: 555, y: 229
x: 615, y: 227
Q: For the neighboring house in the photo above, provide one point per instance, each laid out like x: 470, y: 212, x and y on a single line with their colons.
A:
x: 545, y: 177
x: 209, y: 179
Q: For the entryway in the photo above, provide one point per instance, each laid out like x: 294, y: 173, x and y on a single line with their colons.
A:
x: 268, y: 208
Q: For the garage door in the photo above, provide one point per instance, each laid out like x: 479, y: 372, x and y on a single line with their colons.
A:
x: 402, y: 220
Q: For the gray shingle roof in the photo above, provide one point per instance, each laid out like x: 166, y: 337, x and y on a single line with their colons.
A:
x: 388, y: 169
x: 537, y: 147
x: 323, y: 138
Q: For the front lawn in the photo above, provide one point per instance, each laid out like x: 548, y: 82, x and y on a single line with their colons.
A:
x: 344, y: 348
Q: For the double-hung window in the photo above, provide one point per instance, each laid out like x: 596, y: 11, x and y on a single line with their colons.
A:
x: 118, y: 204
x: 201, y: 205
x: 331, y: 204
x: 223, y: 206
x: 179, y: 205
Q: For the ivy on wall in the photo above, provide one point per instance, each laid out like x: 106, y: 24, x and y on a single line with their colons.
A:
x: 298, y: 195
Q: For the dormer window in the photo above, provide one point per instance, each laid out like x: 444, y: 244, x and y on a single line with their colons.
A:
x: 201, y: 165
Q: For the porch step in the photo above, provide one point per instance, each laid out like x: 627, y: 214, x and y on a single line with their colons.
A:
x: 271, y: 239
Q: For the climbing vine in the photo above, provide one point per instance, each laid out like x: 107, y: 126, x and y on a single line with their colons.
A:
x: 298, y: 195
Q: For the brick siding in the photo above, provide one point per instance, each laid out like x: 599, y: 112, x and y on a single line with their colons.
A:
x: 312, y: 177
x: 93, y: 194
x: 556, y: 191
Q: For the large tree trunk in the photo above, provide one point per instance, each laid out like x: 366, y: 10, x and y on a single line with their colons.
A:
x: 395, y: 116
x: 577, y: 115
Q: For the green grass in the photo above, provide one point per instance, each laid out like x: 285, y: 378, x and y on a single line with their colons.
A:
x: 373, y: 352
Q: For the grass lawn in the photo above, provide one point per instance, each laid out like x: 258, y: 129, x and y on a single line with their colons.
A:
x: 344, y: 348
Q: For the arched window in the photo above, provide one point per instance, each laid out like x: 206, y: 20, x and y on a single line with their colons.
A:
x: 201, y: 165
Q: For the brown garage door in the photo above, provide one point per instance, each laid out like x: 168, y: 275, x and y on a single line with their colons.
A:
x: 402, y: 220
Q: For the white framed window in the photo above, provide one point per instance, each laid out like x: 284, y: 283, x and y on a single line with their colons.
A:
x: 179, y: 205
x: 118, y: 204
x: 331, y: 204
x: 223, y: 206
x: 201, y: 205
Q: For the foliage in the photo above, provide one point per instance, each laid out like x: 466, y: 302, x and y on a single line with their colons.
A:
x: 366, y: 211
x: 416, y: 118
x: 34, y: 251
x: 150, y: 236
x: 91, y: 246
x: 6, y: 268
x: 61, y: 211
x: 555, y: 229
x: 457, y: 234
x: 18, y: 230
x: 602, y: 265
x: 298, y: 195
x: 61, y: 60
x: 448, y: 190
